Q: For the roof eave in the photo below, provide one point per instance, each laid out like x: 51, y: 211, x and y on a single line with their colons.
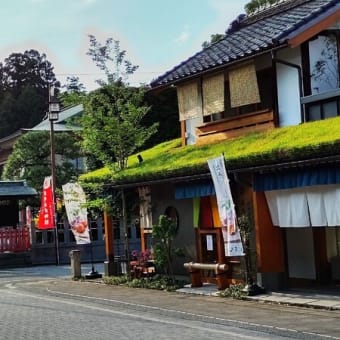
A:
x: 274, y: 47
x: 318, y: 161
x: 313, y: 27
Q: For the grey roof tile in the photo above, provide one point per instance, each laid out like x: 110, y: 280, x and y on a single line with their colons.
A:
x: 252, y: 35
x: 62, y: 124
x: 18, y: 189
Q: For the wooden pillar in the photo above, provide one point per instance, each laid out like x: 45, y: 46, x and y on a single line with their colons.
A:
x: 109, y: 266
x: 269, y: 239
x: 126, y: 238
x: 183, y: 130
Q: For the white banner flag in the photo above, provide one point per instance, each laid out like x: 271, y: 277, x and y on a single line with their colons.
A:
x: 74, y: 198
x: 226, y: 209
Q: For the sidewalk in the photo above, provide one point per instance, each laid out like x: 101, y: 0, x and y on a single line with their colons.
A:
x: 329, y: 300
x: 326, y: 300
x: 309, y: 298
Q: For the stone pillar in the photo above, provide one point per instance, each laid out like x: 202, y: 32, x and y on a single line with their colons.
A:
x: 75, y: 264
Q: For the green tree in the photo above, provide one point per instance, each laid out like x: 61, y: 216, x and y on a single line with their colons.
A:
x: 213, y: 38
x: 30, y: 158
x: 163, y: 235
x: 164, y: 111
x: 24, y: 81
x: 257, y: 5
x: 73, y: 85
x: 112, y: 129
x: 74, y: 94
x: 111, y: 59
x: 7, y: 119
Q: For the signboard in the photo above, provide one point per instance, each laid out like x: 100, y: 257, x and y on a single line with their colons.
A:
x: 74, y: 198
x: 226, y: 209
x: 46, y: 213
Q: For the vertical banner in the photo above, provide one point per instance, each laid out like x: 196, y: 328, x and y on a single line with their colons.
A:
x: 145, y: 207
x: 226, y: 209
x: 46, y: 213
x: 28, y: 216
x: 74, y: 198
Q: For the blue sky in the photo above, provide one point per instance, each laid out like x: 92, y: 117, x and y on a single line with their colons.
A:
x: 157, y: 34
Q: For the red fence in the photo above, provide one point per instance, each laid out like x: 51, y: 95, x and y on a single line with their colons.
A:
x: 14, y: 239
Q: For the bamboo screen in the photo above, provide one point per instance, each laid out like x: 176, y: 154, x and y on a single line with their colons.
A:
x: 213, y: 94
x: 244, y: 89
x: 188, y: 101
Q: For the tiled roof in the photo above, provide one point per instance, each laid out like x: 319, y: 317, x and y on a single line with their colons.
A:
x: 249, y: 36
x: 62, y: 124
x: 18, y: 189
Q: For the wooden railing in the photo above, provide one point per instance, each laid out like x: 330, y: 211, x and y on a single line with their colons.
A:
x: 14, y: 239
x: 234, y: 126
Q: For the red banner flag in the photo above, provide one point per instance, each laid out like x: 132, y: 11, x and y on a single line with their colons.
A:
x: 46, y: 214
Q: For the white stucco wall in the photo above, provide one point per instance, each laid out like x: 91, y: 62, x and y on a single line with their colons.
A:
x: 288, y: 88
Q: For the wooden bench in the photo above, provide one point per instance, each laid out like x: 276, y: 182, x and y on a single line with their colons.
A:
x: 220, y: 270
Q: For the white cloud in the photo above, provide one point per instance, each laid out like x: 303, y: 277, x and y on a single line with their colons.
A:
x: 183, y: 37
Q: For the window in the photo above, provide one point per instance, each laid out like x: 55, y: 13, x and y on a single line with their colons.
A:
x: 173, y: 214
x: 188, y: 101
x: 50, y: 236
x: 243, y: 85
x: 38, y: 237
x: 321, y: 77
x: 116, y: 230
x: 213, y: 94
x: 322, y: 109
x: 324, y: 68
x: 265, y: 87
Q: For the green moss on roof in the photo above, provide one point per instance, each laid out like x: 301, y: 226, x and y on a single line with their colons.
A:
x: 170, y: 159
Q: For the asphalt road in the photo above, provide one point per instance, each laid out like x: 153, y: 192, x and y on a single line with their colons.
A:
x: 44, y: 303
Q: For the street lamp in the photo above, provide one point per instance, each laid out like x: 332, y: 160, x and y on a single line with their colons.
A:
x: 53, y: 115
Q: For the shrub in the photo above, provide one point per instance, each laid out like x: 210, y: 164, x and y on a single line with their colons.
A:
x: 235, y: 291
x: 158, y: 282
x: 163, y: 234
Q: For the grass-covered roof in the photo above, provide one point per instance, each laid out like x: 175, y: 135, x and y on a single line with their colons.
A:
x: 170, y: 159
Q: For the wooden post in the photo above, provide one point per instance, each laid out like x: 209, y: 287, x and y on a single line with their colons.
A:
x: 269, y: 241
x: 126, y: 236
x: 109, y: 265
